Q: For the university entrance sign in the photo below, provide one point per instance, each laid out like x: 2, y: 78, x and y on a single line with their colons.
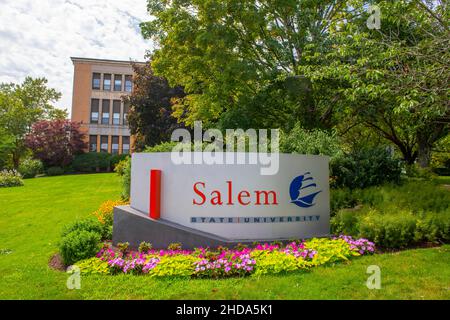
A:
x: 198, y: 204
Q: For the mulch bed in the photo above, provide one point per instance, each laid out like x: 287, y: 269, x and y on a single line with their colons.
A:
x: 56, y: 263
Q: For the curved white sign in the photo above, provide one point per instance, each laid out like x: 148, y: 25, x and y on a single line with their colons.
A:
x: 234, y: 200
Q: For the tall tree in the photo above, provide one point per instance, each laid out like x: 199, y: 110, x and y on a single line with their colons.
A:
x: 394, y: 80
x: 21, y: 106
x: 238, y: 59
x: 151, y: 102
x: 55, y: 142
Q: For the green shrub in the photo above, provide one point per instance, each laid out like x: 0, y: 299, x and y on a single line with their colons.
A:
x: 415, y: 171
x: 389, y: 231
x: 92, y: 162
x: 317, y: 142
x: 174, y: 246
x: 54, y: 171
x: 93, y: 266
x: 123, y: 169
x: 145, y: 247
x: 162, y: 147
x: 10, y: 178
x: 414, y: 196
x: 346, y: 222
x: 90, y: 225
x: 30, y: 168
x: 117, y: 158
x: 342, y: 199
x: 364, y: 168
x: 123, y: 247
x: 79, y: 245
x: 434, y: 228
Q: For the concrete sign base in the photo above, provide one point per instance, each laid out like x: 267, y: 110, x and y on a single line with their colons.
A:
x: 133, y: 226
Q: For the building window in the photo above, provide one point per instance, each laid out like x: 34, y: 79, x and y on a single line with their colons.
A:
x: 105, y: 111
x: 96, y: 81
x: 107, y: 82
x: 116, y: 112
x: 125, y: 145
x: 94, y: 110
x: 128, y: 83
x: 126, y: 108
x: 117, y: 82
x: 93, y: 143
x: 115, y: 145
x: 104, y: 143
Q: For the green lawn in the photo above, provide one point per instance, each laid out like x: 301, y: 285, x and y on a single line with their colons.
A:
x: 31, y: 218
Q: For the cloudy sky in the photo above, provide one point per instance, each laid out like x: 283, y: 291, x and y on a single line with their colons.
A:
x: 37, y: 38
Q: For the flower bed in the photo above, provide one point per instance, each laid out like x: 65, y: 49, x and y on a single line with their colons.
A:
x: 223, y: 262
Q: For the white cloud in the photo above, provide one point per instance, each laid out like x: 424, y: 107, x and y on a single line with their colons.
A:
x: 37, y: 38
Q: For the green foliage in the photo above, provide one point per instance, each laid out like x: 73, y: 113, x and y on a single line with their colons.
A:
x: 341, y: 199
x: 433, y: 227
x: 162, y: 147
x: 145, y: 246
x: 29, y: 168
x: 389, y: 231
x: 123, y: 169
x: 10, y: 178
x: 329, y: 251
x: 123, y: 247
x: 6, y: 147
x: 174, y: 246
x: 415, y: 171
x: 93, y: 266
x: 364, y: 168
x: 317, y: 142
x: 90, y: 225
x: 274, y: 262
x: 403, y: 100
x: 78, y: 245
x: 395, y: 216
x: 92, y: 162
x: 118, y: 158
x: 239, y: 65
x: 150, y: 119
x: 21, y: 105
x: 54, y: 171
x: 174, y: 266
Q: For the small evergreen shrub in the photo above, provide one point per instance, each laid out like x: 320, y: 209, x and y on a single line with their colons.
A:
x: 30, y: 168
x: 79, y: 245
x: 364, y: 168
x: 92, y: 162
x: 10, y: 178
x: 89, y: 225
x: 54, y: 171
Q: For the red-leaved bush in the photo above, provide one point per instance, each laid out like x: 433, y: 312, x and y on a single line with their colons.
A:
x: 55, y: 142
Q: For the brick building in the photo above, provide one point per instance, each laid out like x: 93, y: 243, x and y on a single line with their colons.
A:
x: 98, y: 88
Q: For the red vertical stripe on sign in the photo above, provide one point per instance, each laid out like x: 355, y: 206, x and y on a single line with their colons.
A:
x: 155, y: 194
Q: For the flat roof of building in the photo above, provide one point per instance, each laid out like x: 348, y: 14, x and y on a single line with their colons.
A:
x: 74, y: 59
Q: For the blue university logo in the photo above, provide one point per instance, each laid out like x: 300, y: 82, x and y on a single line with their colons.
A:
x: 303, y: 190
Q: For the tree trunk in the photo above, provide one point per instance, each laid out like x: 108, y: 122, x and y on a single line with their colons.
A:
x: 424, y: 153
